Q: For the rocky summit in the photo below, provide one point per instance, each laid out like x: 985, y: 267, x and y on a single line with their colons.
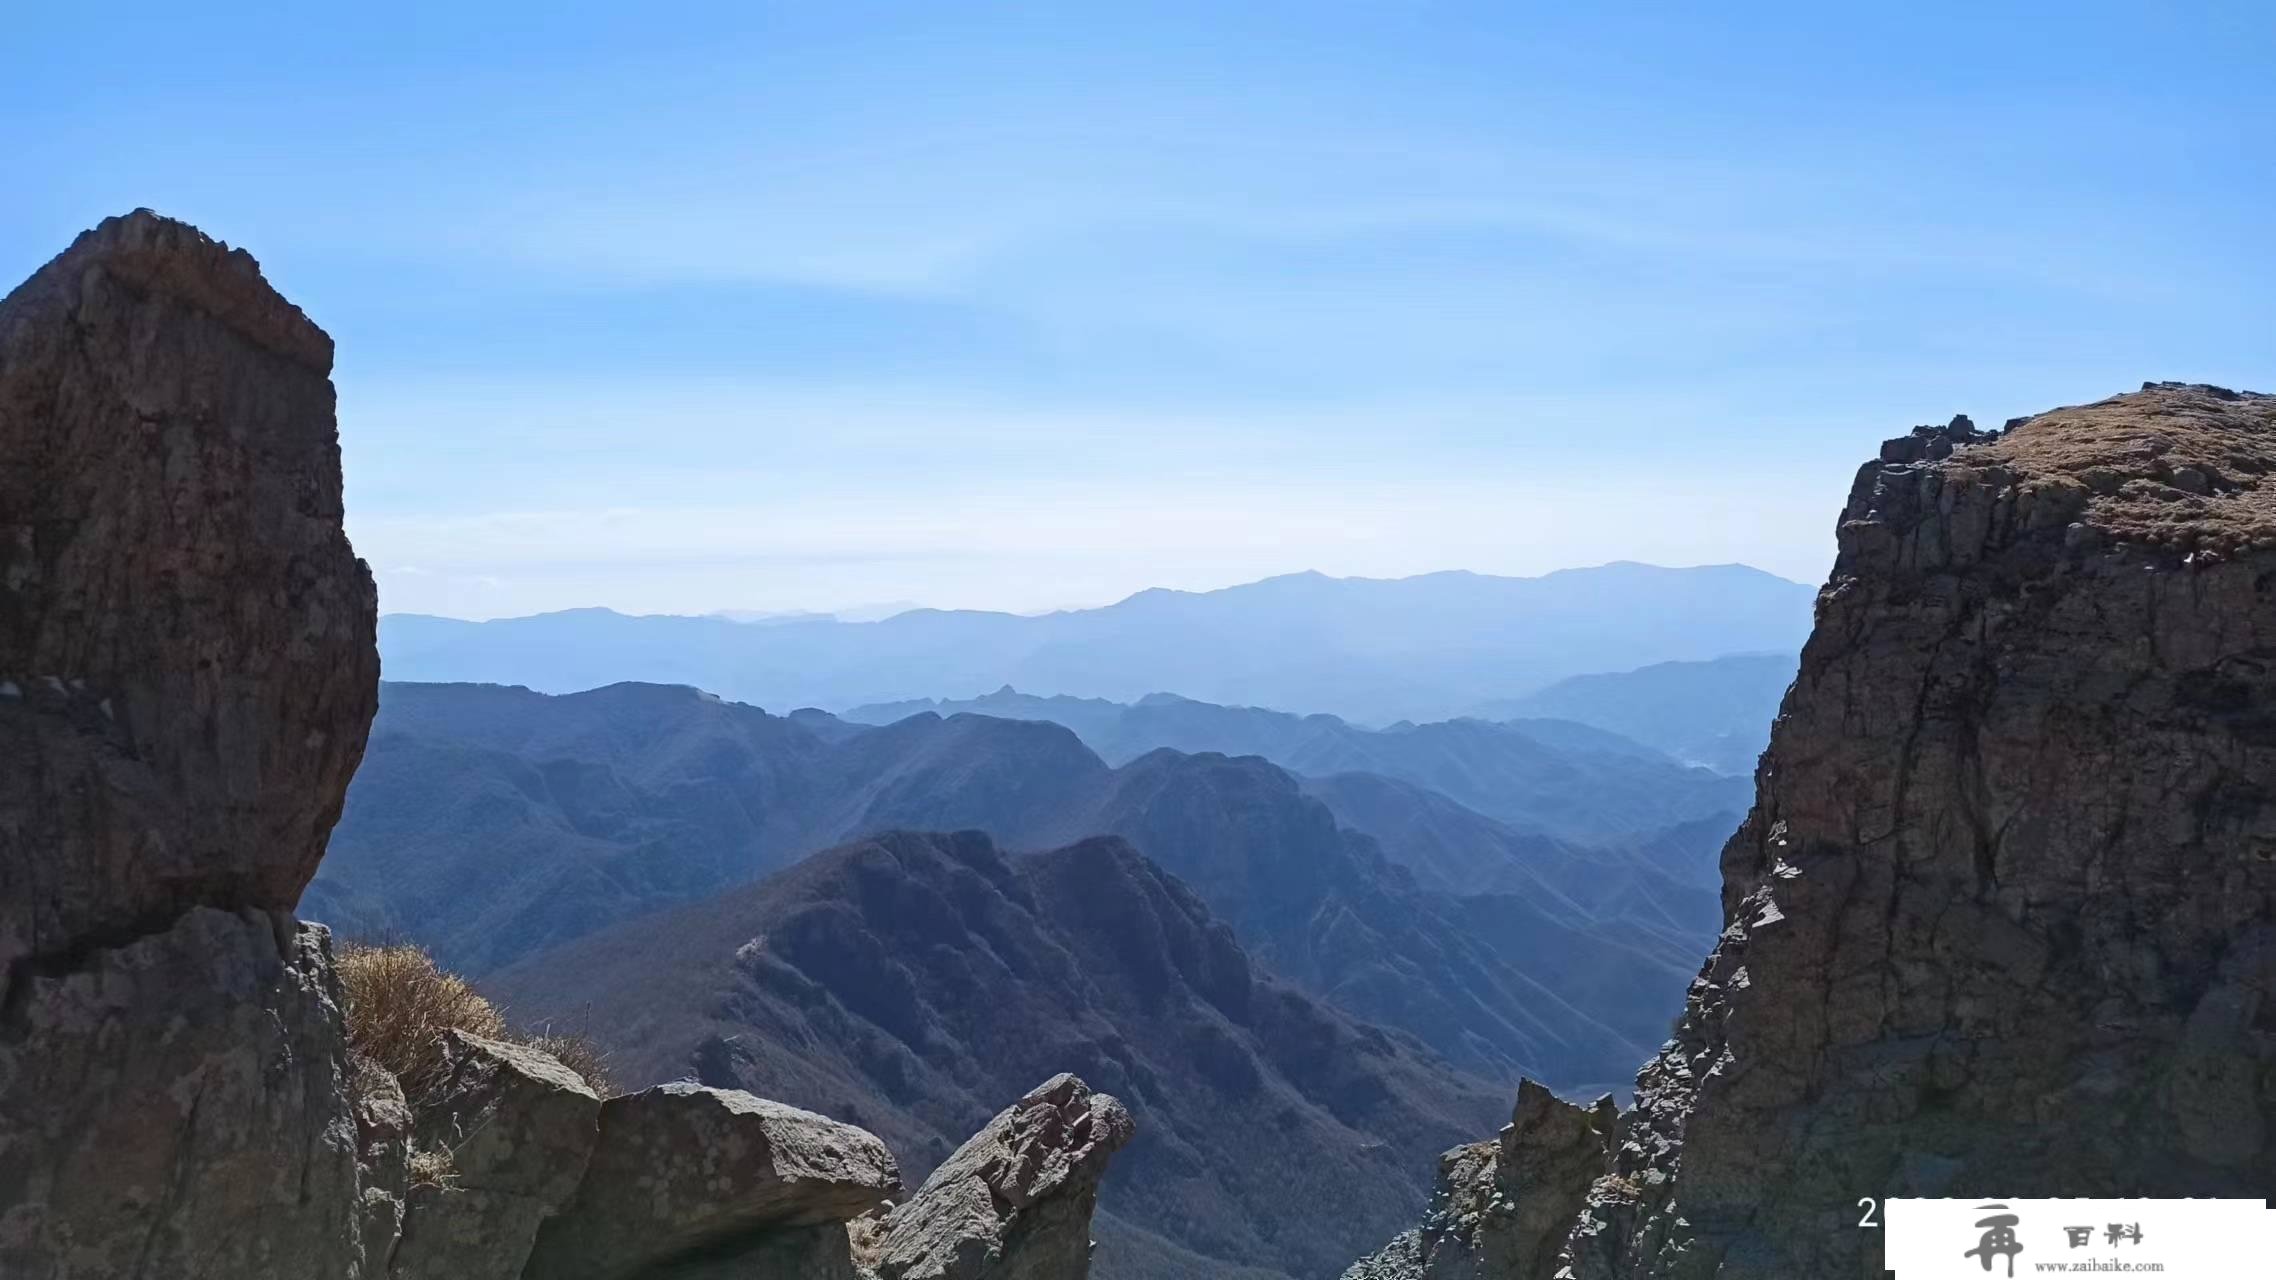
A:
x: 187, y: 679
x: 2003, y: 917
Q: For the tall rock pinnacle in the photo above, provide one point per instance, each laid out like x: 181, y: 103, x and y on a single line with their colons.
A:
x: 187, y: 666
x: 187, y: 675
x: 2003, y: 919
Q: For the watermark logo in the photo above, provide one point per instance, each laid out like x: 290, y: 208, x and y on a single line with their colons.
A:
x: 1998, y: 1239
x: 2184, y: 1239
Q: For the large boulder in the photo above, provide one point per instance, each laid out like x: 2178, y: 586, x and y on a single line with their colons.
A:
x: 516, y: 1127
x: 187, y: 665
x: 681, y: 1170
x: 187, y: 675
x: 1015, y: 1201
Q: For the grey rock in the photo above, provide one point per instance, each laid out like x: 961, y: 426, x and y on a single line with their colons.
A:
x: 519, y: 1127
x: 1503, y: 1208
x: 383, y: 1148
x: 178, y: 1107
x: 822, y: 1252
x: 680, y: 1171
x: 1015, y: 1201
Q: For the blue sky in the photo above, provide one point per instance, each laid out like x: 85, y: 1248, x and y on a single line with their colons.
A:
x: 805, y: 306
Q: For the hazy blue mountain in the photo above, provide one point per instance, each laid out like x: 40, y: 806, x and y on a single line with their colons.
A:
x: 1557, y: 777
x: 1663, y: 888
x: 1714, y: 713
x: 492, y: 823
x: 911, y: 983
x: 1422, y: 648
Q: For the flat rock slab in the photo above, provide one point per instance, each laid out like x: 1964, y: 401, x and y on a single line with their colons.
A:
x: 680, y: 1169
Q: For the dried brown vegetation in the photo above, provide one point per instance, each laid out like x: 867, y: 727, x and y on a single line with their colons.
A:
x: 400, y: 1002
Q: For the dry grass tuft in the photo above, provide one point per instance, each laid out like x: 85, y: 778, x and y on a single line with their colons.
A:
x: 399, y: 1005
x: 433, y: 1167
x: 579, y: 1055
x: 400, y: 1002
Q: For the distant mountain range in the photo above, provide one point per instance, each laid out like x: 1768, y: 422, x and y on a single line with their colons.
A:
x: 1715, y: 713
x: 907, y: 983
x: 493, y: 823
x: 1555, y: 777
x: 1371, y: 650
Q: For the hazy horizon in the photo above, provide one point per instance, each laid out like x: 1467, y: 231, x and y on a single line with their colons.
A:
x: 876, y: 611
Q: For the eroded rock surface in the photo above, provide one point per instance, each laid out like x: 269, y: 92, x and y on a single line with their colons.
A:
x: 187, y: 673
x: 187, y: 665
x: 1014, y: 1202
x: 518, y: 1127
x: 680, y: 1168
x: 1503, y: 1208
x: 2003, y: 918
x: 174, y: 1107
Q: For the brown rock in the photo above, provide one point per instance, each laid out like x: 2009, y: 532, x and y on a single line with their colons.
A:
x: 187, y: 674
x: 1014, y: 1202
x: 187, y: 668
x: 2003, y: 919
x: 680, y: 1170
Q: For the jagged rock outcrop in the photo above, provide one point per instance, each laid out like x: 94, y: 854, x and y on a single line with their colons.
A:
x: 187, y: 672
x: 1503, y: 1208
x: 1014, y: 1202
x: 681, y: 1168
x: 2003, y: 918
x: 518, y: 1128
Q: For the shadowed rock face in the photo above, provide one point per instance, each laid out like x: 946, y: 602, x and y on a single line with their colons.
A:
x: 187, y: 673
x: 1503, y: 1208
x: 2003, y: 918
x: 187, y: 666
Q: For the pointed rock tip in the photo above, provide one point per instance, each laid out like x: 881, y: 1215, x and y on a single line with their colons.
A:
x: 160, y: 256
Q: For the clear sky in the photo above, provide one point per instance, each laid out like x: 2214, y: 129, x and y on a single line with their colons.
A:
x: 682, y: 308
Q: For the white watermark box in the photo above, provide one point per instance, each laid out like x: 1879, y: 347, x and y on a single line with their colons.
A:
x: 2183, y: 1239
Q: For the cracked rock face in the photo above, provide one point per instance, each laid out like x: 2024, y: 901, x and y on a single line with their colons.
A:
x: 681, y: 1169
x: 2003, y: 919
x: 187, y: 673
x: 187, y: 666
x: 1503, y: 1208
x: 519, y: 1128
x: 1015, y: 1201
x: 174, y: 1107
